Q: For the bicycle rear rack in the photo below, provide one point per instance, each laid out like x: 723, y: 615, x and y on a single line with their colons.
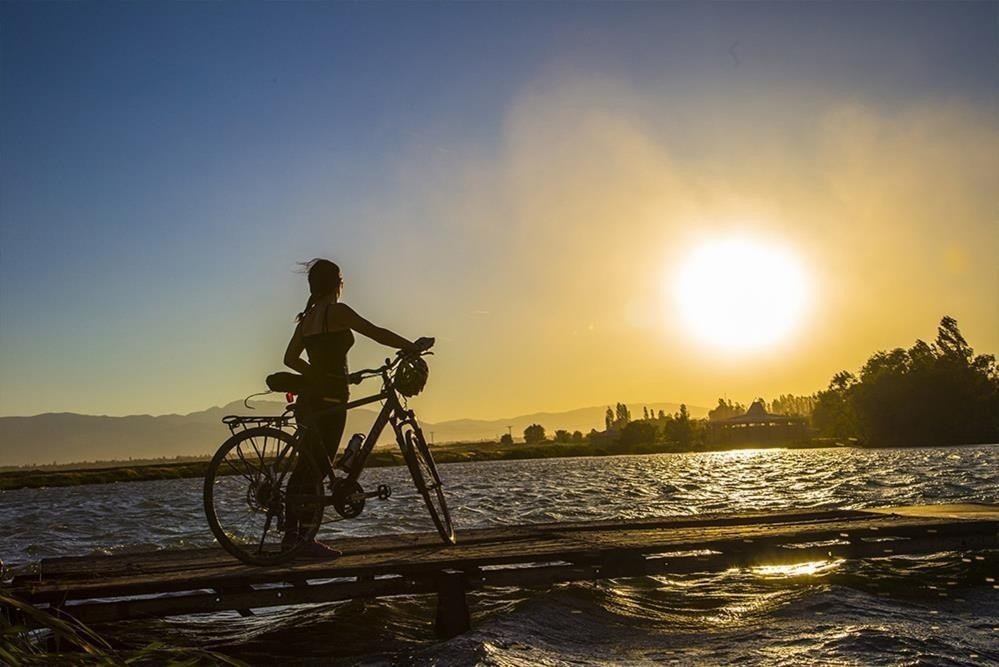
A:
x: 236, y: 423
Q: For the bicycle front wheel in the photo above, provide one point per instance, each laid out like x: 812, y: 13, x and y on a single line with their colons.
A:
x: 263, y: 496
x: 428, y: 481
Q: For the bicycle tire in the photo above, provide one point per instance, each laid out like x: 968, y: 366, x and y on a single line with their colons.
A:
x: 247, y: 481
x: 421, y: 465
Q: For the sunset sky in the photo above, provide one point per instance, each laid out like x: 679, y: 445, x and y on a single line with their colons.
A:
x: 527, y: 182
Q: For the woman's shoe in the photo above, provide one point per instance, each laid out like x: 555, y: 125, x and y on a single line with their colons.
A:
x: 317, y: 549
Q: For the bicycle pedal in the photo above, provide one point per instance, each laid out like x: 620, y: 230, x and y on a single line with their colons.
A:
x: 383, y: 492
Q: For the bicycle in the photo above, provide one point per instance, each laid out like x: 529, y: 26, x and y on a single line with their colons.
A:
x: 246, y: 496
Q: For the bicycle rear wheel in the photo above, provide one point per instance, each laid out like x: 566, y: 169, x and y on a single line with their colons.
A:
x: 428, y: 481
x: 263, y: 496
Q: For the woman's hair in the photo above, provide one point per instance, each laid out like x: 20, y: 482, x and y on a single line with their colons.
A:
x: 324, y: 279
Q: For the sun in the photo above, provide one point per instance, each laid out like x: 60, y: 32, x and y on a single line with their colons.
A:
x: 740, y: 293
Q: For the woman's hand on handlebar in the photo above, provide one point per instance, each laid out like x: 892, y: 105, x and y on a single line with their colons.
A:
x: 421, y: 344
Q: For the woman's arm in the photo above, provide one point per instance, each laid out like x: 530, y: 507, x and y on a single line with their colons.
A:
x: 343, y: 316
x: 293, y: 355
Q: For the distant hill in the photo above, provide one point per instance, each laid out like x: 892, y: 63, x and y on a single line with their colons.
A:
x: 68, y: 437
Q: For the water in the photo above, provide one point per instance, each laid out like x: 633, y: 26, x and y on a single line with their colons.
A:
x: 933, y: 610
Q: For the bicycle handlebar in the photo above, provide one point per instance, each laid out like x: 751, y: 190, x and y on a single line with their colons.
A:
x: 359, y: 376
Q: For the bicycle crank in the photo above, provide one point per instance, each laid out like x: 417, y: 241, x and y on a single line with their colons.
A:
x: 348, y: 499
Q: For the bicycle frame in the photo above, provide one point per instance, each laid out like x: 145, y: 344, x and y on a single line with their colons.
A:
x: 392, y: 412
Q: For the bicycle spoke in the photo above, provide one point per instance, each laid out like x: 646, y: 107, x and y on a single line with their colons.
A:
x: 239, y: 453
x: 253, y: 443
x: 238, y: 471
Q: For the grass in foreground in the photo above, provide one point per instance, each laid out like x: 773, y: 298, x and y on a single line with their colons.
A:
x: 79, y: 645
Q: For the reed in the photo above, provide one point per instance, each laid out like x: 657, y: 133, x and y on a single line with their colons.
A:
x: 20, y: 643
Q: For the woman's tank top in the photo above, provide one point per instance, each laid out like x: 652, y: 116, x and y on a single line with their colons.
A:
x: 327, y: 352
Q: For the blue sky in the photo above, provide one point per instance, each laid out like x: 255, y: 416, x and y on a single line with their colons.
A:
x: 163, y: 166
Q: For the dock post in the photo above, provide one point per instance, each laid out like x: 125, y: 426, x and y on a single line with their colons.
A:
x: 453, y: 618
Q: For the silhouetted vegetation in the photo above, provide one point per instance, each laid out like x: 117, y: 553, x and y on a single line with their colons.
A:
x: 938, y: 393
x: 534, y: 434
x: 80, y: 645
x: 726, y: 409
x: 617, y: 418
x: 796, y: 406
x: 32, y: 478
x: 638, y: 432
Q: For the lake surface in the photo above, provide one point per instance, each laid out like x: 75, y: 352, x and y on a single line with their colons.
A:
x: 933, y: 610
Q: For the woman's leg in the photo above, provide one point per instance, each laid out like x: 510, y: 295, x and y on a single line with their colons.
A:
x: 331, y: 428
x: 303, y: 476
x: 326, y: 439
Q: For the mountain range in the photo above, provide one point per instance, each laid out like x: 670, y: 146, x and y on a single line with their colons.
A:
x: 69, y: 437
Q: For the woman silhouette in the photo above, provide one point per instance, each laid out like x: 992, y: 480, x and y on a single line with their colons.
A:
x: 325, y: 333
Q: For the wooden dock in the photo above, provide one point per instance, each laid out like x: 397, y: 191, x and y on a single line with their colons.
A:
x: 169, y: 583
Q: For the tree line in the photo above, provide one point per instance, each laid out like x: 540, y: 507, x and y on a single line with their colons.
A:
x: 938, y: 393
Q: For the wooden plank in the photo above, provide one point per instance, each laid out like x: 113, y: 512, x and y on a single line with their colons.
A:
x: 961, y: 511
x: 568, y: 544
x: 95, y: 612
x: 157, y: 561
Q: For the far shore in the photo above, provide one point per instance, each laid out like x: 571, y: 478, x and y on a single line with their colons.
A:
x: 384, y: 455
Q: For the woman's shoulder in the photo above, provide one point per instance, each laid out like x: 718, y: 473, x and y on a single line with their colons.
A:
x: 340, y: 314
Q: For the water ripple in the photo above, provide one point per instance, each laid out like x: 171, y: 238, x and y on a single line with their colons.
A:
x: 882, y: 612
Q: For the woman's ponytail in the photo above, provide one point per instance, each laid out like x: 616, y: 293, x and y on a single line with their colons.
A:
x: 309, y: 305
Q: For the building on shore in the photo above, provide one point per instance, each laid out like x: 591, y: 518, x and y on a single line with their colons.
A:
x: 758, y: 427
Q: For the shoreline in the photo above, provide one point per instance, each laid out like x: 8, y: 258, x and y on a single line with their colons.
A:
x: 382, y: 456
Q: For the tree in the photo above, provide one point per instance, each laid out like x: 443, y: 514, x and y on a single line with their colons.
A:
x: 726, y: 409
x: 662, y: 415
x: 561, y: 435
x: 608, y: 419
x: 622, y: 416
x: 679, y: 429
x: 800, y: 406
x: 833, y: 415
x: 506, y: 439
x: 534, y: 434
x: 638, y: 433
x: 645, y: 412
x: 577, y: 436
x: 937, y: 393
x: 951, y: 343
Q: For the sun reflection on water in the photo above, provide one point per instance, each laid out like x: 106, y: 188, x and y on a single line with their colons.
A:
x: 806, y: 569
x: 748, y: 453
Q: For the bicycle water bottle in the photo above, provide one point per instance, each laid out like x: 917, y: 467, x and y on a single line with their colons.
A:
x: 350, y: 454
